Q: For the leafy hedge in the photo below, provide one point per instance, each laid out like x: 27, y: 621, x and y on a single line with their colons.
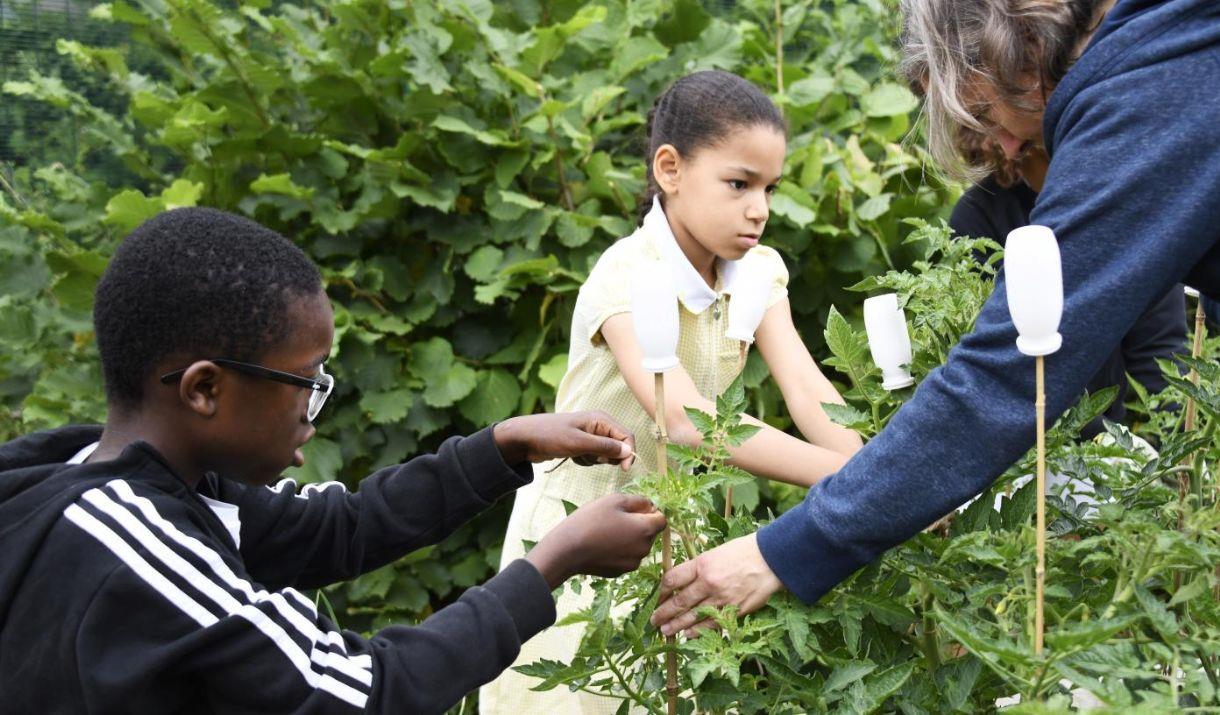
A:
x: 455, y: 168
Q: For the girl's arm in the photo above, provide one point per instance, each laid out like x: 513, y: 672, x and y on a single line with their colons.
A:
x: 770, y: 453
x: 802, y: 384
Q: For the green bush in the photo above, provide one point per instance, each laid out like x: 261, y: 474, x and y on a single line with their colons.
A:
x: 455, y: 168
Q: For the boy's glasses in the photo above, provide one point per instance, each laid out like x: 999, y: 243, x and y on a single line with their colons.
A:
x: 321, y: 386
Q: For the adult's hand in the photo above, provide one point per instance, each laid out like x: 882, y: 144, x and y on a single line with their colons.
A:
x: 733, y: 573
x: 591, y: 437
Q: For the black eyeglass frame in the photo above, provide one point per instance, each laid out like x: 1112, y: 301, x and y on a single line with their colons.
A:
x: 323, y: 387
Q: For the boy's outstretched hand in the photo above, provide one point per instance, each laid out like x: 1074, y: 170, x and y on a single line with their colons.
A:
x: 587, y: 437
x: 606, y: 537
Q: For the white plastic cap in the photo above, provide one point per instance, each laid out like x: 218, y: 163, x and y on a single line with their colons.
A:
x: 654, y: 313
x: 888, y: 340
x: 748, y: 299
x: 1034, y: 281
x: 1192, y: 292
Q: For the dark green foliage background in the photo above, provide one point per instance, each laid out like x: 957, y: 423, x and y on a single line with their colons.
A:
x: 455, y: 168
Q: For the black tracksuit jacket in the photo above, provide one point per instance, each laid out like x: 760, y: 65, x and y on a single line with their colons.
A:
x: 121, y: 591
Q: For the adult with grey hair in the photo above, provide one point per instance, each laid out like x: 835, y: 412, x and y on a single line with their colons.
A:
x: 1123, y: 97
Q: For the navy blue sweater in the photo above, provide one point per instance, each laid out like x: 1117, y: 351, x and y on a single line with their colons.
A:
x: 1131, y: 194
x: 989, y: 210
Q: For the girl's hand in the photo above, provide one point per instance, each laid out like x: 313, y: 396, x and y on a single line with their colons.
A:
x: 586, y: 437
x: 606, y: 537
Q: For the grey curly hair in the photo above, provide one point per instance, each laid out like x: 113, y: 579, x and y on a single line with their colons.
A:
x: 1019, y: 48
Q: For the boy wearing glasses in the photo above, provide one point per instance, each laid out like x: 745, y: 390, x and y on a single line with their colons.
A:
x: 151, y: 567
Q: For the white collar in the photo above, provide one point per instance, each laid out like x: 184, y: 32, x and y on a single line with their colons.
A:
x: 693, y: 291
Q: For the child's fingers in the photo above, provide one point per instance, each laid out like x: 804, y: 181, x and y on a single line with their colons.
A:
x: 638, y: 504
x: 593, y: 449
x: 602, y: 424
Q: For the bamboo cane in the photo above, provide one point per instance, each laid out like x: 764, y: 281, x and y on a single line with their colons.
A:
x: 1040, y: 570
x: 667, y: 556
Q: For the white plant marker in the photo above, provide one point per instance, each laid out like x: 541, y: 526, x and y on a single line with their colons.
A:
x: 747, y: 304
x: 1034, y: 282
x: 654, y: 314
x: 888, y: 340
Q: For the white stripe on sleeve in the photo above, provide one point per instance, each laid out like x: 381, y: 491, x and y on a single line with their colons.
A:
x: 175, y: 563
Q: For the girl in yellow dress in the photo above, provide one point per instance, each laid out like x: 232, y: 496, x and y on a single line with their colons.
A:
x: 716, y: 152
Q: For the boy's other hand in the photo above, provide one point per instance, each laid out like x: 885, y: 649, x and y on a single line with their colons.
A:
x: 606, y: 537
x: 586, y: 437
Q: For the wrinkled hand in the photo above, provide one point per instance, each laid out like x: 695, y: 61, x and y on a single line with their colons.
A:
x: 733, y: 573
x: 606, y: 537
x: 586, y: 437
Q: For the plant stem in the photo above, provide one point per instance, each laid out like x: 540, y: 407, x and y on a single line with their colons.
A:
x: 564, y: 190
x: 622, y: 681
x: 9, y: 187
x: 929, y: 643
x: 779, y: 48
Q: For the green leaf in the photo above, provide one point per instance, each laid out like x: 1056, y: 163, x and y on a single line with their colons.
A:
x: 386, y: 407
x: 882, y: 685
x: 493, y: 137
x: 280, y: 184
x: 181, y: 193
x: 1190, y: 591
x: 130, y: 208
x: 494, y: 398
x: 1085, y: 635
x: 457, y: 382
x: 874, y: 208
x: 634, y: 53
x: 323, y: 460
x: 431, y: 359
x: 553, y: 370
x: 845, y: 415
x: 1161, y: 618
x: 784, y: 205
x: 848, y: 673
x: 685, y: 22
x: 888, y: 99
x: 484, y: 263
x: 1015, y: 511
x: 810, y: 90
x: 885, y: 610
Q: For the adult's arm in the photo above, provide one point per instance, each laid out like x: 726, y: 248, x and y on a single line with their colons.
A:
x: 1135, y: 160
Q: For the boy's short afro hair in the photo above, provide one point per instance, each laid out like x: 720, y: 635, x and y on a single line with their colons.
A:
x: 194, y: 283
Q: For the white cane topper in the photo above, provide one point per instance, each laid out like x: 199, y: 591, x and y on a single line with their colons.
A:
x: 1035, y: 299
x: 748, y: 300
x: 654, y: 312
x: 1035, y: 288
x: 888, y: 340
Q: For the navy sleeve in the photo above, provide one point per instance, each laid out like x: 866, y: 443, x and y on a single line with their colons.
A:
x: 1136, y: 158
x: 1159, y: 333
x: 325, y: 534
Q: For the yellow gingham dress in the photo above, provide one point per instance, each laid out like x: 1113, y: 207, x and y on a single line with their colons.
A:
x: 593, y: 382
